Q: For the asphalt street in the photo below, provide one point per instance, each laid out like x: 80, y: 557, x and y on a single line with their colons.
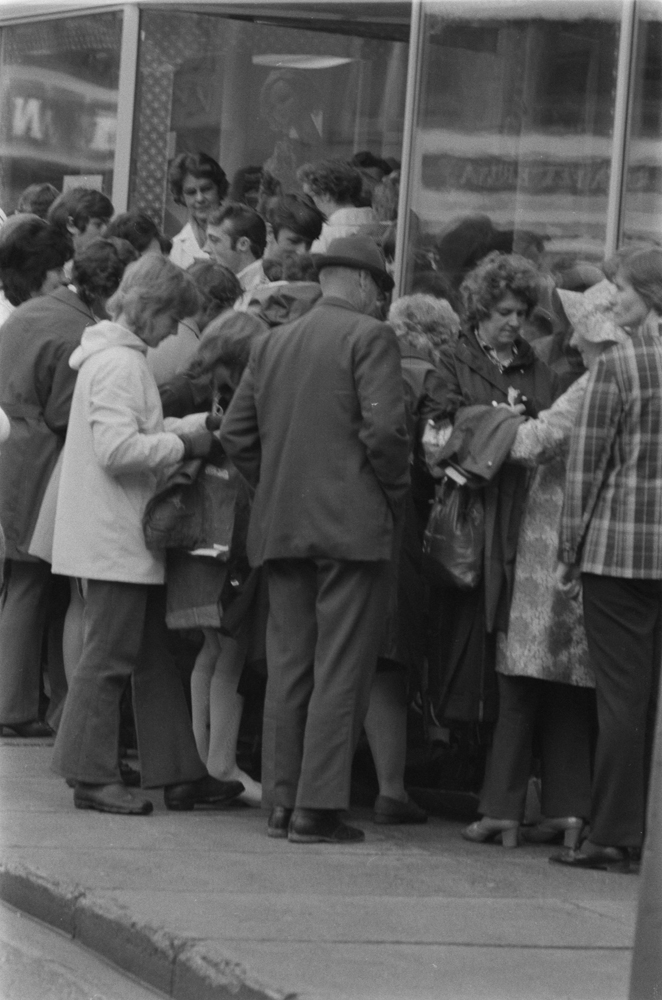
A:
x: 39, y: 963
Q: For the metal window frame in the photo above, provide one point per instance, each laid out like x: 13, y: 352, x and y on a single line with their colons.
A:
x: 412, y: 100
x: 126, y: 97
x: 622, y: 127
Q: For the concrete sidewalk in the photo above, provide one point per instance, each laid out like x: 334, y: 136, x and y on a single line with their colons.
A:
x: 203, y: 905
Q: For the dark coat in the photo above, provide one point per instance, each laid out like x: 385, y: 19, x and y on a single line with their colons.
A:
x: 462, y: 655
x: 404, y: 640
x: 36, y: 386
x: 318, y: 426
x: 471, y: 378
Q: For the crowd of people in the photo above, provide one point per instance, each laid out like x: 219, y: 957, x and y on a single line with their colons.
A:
x: 223, y: 461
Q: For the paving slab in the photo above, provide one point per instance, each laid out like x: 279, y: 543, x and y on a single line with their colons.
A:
x: 204, y: 905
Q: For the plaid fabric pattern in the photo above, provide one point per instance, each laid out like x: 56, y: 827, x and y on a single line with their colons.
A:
x: 611, y: 523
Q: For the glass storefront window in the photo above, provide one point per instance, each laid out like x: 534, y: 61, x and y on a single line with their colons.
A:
x: 642, y: 218
x: 513, y: 140
x: 257, y: 95
x: 58, y: 103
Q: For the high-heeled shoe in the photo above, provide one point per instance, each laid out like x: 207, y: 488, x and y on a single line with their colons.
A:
x: 550, y: 830
x: 487, y: 829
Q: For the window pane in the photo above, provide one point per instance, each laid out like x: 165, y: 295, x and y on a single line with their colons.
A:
x: 643, y: 199
x: 259, y: 95
x: 512, y: 146
x: 58, y: 93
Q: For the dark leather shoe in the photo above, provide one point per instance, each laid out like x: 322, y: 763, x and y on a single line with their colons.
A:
x: 34, y: 730
x: 278, y: 822
x: 390, y: 811
x: 206, y: 791
x: 111, y: 799
x: 321, y: 826
x: 614, y: 859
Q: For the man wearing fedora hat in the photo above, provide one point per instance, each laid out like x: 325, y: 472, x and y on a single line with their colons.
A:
x: 318, y: 426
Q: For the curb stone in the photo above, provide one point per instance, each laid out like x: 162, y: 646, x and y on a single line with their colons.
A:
x: 178, y: 966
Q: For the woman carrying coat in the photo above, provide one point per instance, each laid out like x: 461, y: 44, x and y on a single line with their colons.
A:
x: 491, y: 364
x: 545, y: 679
x: 116, y: 451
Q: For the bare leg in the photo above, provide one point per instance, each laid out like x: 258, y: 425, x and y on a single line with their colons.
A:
x: 225, y: 708
x: 201, y: 680
x: 386, y: 729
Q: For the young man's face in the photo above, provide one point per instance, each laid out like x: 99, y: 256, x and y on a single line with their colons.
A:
x: 219, y: 246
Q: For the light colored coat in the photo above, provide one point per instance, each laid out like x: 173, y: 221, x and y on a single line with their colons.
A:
x: 546, y: 638
x: 115, y: 454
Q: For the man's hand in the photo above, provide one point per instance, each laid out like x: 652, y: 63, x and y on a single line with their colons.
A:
x: 567, y: 580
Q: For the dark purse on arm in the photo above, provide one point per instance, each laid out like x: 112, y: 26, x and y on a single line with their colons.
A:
x: 454, y: 539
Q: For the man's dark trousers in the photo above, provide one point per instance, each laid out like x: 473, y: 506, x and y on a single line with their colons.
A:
x: 323, y: 632
x: 623, y: 618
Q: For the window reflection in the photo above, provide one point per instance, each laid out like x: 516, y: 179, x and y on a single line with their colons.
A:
x: 512, y: 148
x: 58, y: 103
x: 643, y: 198
x: 259, y: 98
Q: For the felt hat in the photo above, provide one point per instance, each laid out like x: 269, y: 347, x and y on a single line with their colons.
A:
x: 358, y: 252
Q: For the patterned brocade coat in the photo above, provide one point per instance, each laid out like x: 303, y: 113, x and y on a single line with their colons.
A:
x: 546, y: 638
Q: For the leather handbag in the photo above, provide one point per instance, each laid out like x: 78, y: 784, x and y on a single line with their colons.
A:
x: 454, y: 539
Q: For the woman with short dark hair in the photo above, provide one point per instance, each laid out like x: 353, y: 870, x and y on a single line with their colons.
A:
x: 198, y: 183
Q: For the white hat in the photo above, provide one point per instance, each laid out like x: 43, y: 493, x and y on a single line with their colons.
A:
x: 591, y: 313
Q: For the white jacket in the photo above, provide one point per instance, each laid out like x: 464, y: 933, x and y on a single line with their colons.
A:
x: 346, y: 222
x: 115, y: 454
x: 185, y: 249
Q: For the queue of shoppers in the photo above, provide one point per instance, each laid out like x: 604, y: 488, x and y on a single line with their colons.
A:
x: 246, y: 496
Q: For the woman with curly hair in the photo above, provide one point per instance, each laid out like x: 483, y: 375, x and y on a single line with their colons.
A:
x: 490, y: 364
x: 198, y: 183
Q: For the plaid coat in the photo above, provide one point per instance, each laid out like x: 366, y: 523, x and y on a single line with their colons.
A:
x: 611, y: 523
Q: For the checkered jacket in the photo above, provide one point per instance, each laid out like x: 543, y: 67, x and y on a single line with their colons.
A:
x: 611, y: 522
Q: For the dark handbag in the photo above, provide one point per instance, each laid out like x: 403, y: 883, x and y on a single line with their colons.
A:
x: 195, y: 510
x: 454, y: 539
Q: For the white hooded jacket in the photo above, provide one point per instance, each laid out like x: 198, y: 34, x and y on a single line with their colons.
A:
x: 116, y: 452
